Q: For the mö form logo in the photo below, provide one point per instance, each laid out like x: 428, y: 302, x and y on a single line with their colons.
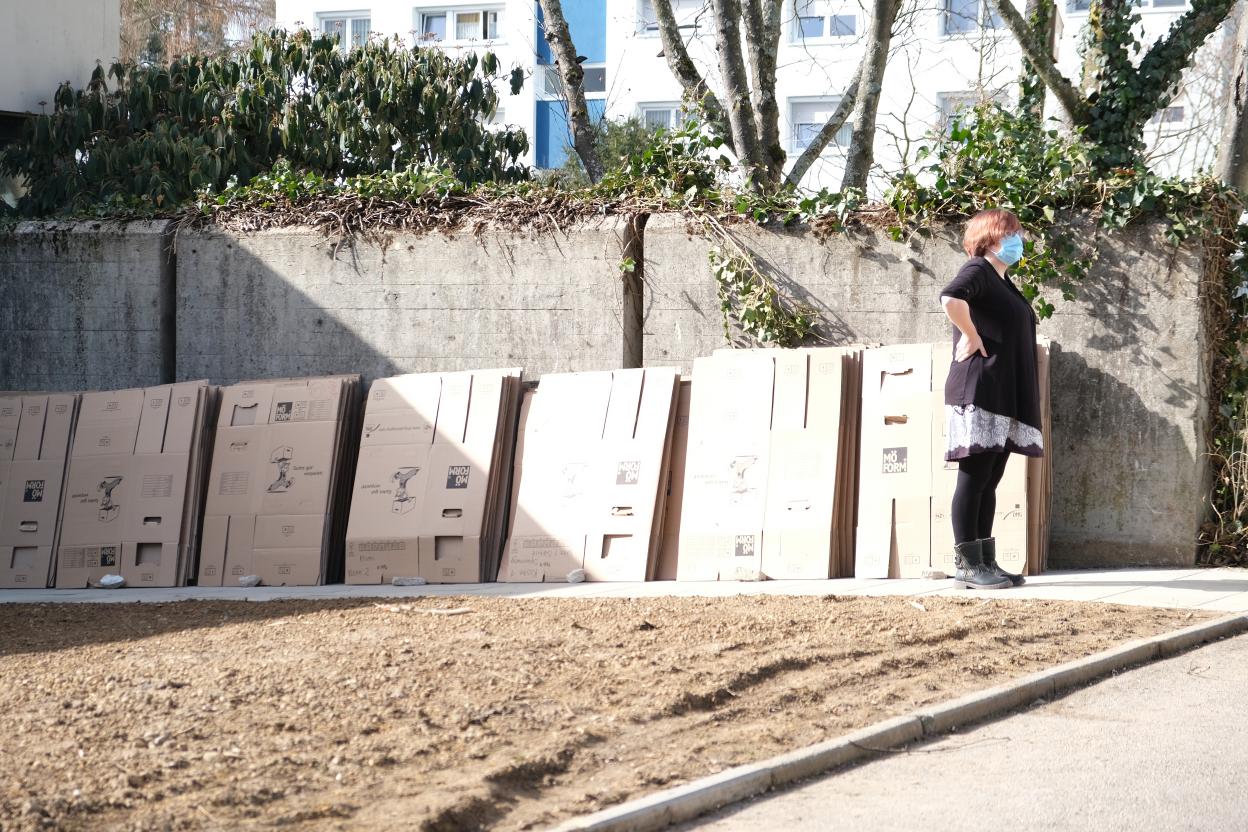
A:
x: 745, y: 546
x: 284, y: 409
x: 457, y: 476
x: 33, y: 492
x: 895, y: 460
x: 108, y: 556
x: 628, y: 472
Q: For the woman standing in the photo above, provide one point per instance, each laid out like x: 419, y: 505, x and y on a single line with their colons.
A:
x: 992, y: 395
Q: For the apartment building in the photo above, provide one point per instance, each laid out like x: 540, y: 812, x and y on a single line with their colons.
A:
x: 945, y: 55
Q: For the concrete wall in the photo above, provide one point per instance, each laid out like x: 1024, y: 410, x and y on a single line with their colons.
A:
x: 92, y: 306
x: 85, y: 306
x: 292, y: 303
x: 1129, y: 373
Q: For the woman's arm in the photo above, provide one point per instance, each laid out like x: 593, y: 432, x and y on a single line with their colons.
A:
x: 959, y: 312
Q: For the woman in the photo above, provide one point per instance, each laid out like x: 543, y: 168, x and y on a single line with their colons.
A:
x: 992, y: 396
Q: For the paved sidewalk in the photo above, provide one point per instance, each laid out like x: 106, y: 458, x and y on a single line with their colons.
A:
x: 1220, y: 590
x: 1162, y: 747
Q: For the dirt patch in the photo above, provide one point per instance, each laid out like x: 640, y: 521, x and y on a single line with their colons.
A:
x: 511, y: 715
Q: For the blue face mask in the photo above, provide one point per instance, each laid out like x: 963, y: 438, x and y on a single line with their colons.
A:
x: 1011, y: 249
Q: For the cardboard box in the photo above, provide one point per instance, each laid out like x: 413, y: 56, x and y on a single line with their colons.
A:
x: 431, y: 480
x: 591, y: 469
x: 726, y: 468
x: 134, y: 485
x: 32, y: 486
x: 278, y: 481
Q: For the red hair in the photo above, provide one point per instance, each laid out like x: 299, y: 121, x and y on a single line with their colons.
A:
x: 986, y: 229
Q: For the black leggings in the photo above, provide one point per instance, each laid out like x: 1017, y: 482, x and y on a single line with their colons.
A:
x: 975, y: 498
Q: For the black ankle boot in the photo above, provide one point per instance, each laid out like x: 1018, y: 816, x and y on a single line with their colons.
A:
x: 989, y: 547
x: 971, y: 573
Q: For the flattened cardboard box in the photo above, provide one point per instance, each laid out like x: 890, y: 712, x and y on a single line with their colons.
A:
x: 726, y: 468
x: 895, y: 465
x: 429, y: 446
x: 31, y: 489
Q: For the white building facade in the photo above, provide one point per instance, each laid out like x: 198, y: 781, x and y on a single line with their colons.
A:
x: 945, y: 55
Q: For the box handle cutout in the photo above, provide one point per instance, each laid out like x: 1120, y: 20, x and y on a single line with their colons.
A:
x: 244, y: 414
x: 622, y: 511
x: 452, y: 512
x: 896, y: 420
x: 28, y: 526
x: 151, y: 521
x: 147, y: 553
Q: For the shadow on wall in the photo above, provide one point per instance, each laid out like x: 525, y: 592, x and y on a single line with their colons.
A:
x: 1126, y: 487
x: 292, y: 302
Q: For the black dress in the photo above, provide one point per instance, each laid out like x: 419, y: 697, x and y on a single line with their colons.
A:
x: 993, y: 403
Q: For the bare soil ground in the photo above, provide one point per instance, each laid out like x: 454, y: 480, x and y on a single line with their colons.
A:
x: 517, y: 713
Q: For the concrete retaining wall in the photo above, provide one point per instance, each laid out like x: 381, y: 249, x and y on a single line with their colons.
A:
x: 85, y: 306
x: 92, y: 306
x: 290, y: 302
x: 1129, y: 366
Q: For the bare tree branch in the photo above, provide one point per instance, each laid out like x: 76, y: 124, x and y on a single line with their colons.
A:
x: 560, y: 40
x: 687, y: 74
x: 825, y: 135
x: 1042, y: 61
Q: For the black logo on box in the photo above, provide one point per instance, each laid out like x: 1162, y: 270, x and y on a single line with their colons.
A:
x: 745, y: 546
x: 108, y: 556
x: 628, y: 472
x: 33, y: 492
x: 457, y: 476
x: 895, y: 460
x: 284, y: 409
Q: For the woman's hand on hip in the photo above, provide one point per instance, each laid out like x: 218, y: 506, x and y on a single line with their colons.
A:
x: 968, y: 346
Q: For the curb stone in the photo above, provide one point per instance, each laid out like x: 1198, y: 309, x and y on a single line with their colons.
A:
x: 683, y: 803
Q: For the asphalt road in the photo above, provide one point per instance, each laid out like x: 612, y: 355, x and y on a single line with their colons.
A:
x: 1162, y: 747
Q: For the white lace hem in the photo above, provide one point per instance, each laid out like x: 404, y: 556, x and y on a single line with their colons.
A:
x: 972, y: 429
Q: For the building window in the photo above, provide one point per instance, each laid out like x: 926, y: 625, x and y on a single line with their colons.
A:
x: 461, y: 25
x: 959, y: 17
x: 668, y: 115
x: 688, y: 14
x: 808, y: 116
x: 822, y: 20
x: 594, y: 81
x: 1169, y: 115
x: 351, y: 28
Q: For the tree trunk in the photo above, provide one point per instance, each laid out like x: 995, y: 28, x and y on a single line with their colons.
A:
x: 1041, y: 18
x: 762, y: 34
x: 560, y: 40
x: 1232, y: 164
x: 737, y: 91
x: 874, y: 62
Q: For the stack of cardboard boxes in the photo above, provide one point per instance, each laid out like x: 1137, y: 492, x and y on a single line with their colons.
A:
x: 430, y: 495
x: 591, y: 475
x: 35, y: 433
x: 906, y: 486
x: 281, y: 471
x: 135, y: 486
x: 769, y: 473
